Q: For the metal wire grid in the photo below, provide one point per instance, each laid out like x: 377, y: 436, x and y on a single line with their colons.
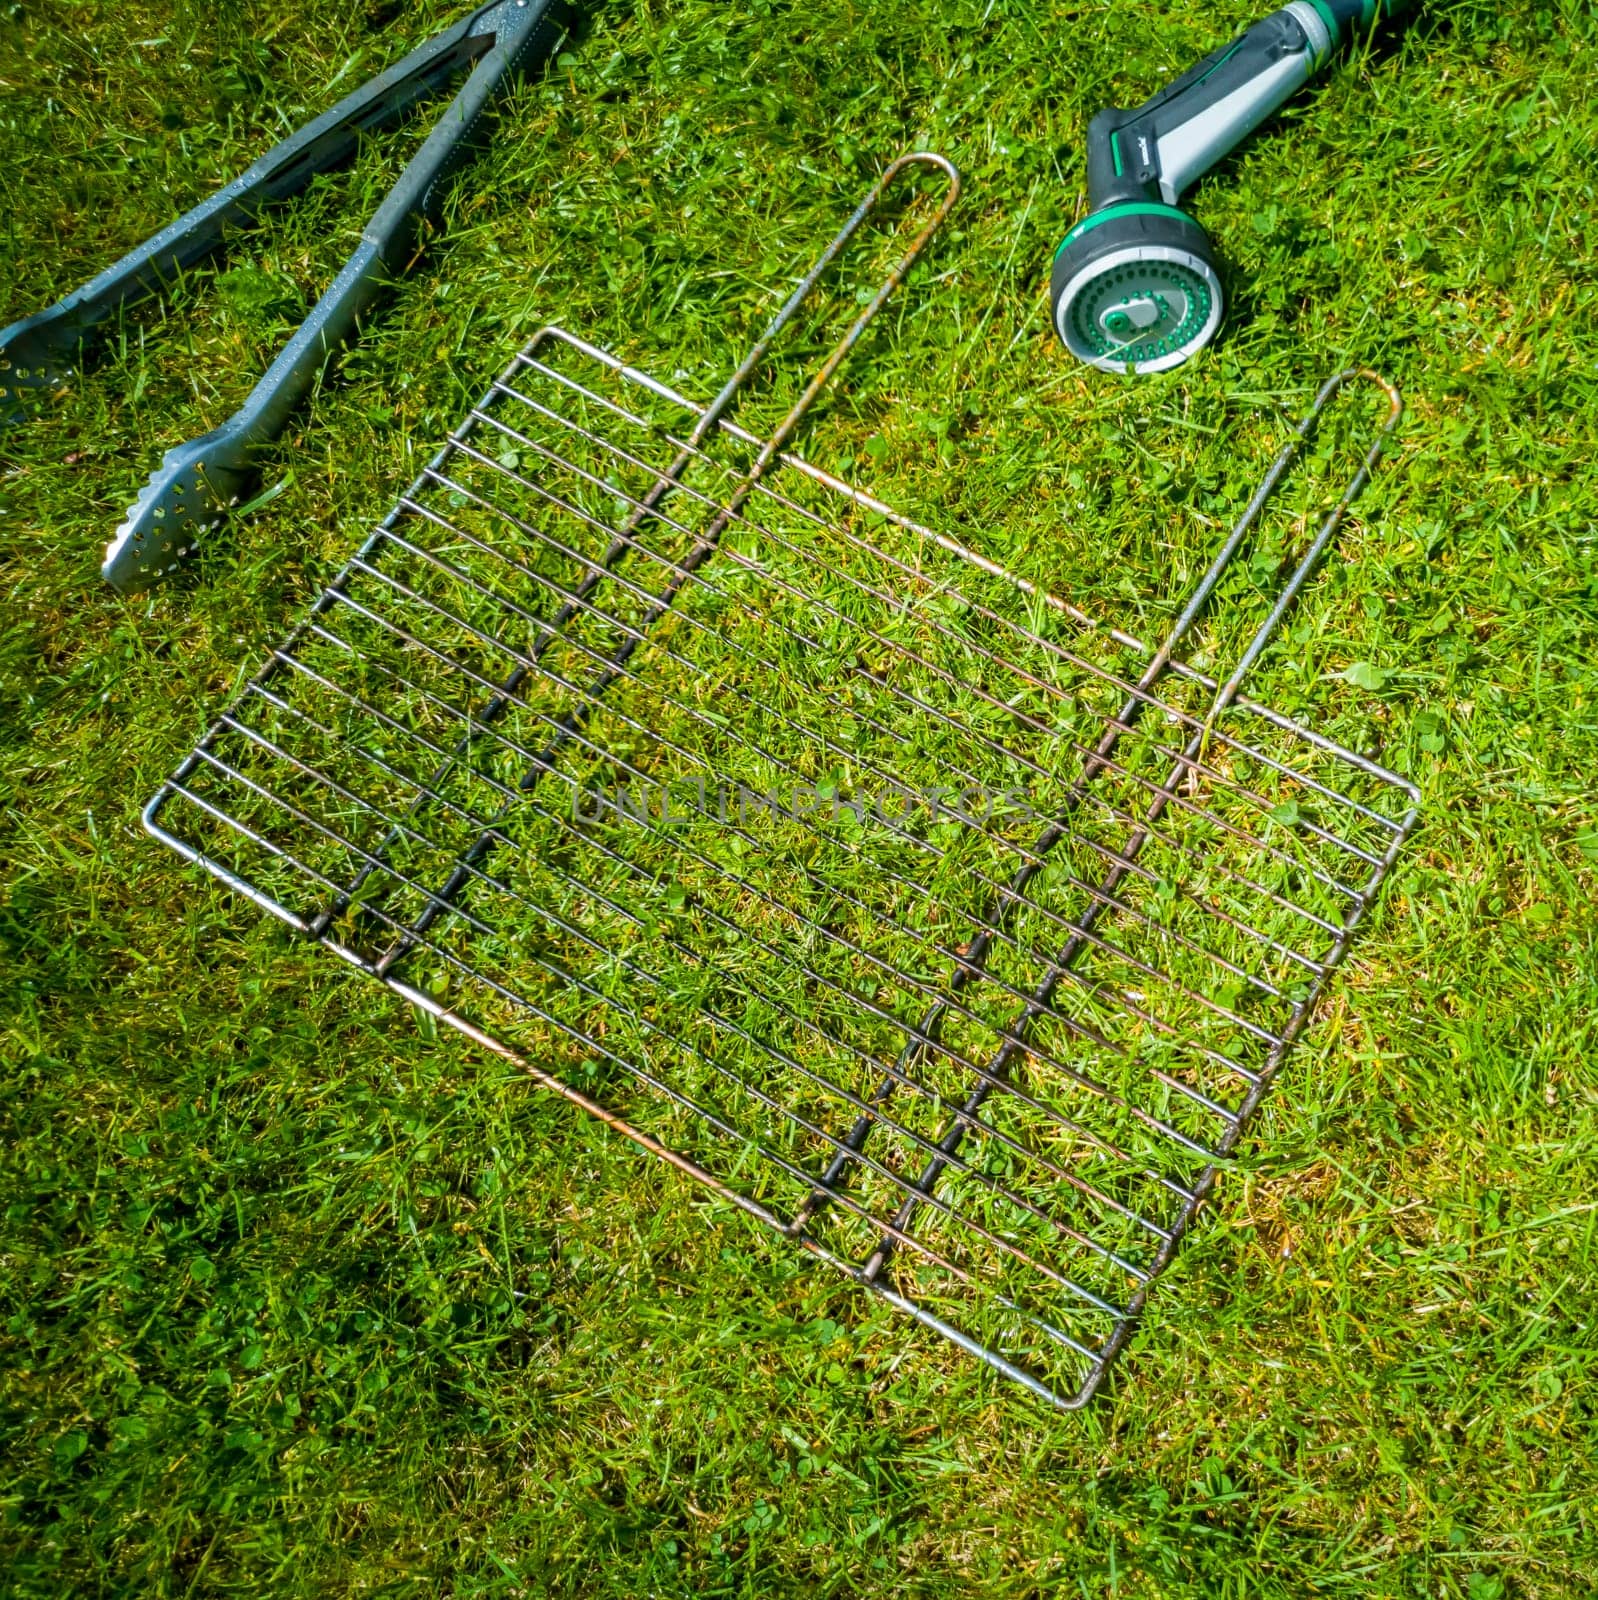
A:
x: 858, y: 879
x: 984, y: 1065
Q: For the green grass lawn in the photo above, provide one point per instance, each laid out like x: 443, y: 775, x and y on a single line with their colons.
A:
x: 302, y: 1295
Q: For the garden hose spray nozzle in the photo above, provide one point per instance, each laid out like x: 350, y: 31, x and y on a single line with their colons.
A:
x: 1135, y: 285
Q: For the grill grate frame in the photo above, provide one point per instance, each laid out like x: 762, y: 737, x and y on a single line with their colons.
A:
x: 974, y: 931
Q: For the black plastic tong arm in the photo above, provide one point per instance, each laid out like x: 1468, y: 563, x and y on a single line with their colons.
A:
x: 41, y: 351
x: 198, y: 480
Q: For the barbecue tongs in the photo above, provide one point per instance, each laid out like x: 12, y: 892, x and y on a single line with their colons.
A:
x: 197, y: 481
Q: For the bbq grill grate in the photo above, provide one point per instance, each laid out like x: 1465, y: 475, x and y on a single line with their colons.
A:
x: 949, y: 933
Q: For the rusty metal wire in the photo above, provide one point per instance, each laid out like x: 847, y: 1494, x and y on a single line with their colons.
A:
x: 951, y: 934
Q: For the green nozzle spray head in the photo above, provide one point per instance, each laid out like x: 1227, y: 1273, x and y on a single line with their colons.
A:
x: 1135, y: 286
